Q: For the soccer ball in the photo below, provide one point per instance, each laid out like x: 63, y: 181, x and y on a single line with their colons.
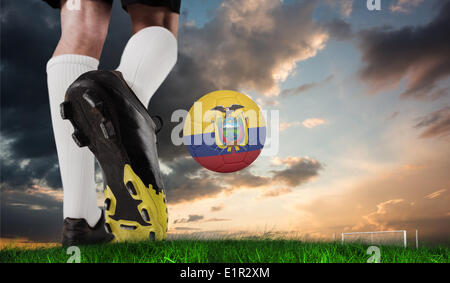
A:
x: 224, y: 131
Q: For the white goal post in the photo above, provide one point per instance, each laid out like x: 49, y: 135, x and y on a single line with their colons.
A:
x: 378, y: 237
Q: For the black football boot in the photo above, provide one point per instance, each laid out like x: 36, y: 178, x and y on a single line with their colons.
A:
x: 78, y: 232
x: 110, y: 120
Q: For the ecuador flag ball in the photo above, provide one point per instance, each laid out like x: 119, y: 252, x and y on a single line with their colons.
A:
x: 224, y: 131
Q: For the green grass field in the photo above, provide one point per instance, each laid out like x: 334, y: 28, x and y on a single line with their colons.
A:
x: 228, y: 251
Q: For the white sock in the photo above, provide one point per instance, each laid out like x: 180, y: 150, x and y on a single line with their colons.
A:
x: 76, y: 164
x: 148, y: 58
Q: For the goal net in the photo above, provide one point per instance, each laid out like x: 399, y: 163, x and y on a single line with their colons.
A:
x: 385, y: 238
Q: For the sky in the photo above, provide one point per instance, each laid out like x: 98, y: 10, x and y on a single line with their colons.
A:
x: 363, y: 100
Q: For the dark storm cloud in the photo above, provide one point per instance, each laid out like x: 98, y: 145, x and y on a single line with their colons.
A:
x: 300, y: 89
x: 188, y: 181
x: 191, y: 218
x: 217, y: 207
x: 299, y: 171
x: 276, y: 192
x: 217, y: 219
x: 247, y: 42
x: 35, y: 216
x: 339, y: 29
x: 187, y: 229
x: 393, y: 116
x: 21, y: 175
x: 421, y: 54
x: 24, y: 54
x: 304, y: 87
x: 25, y: 115
x: 435, y: 124
x: 198, y: 218
x: 404, y: 6
x: 245, y: 178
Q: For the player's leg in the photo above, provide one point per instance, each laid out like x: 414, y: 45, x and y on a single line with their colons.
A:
x: 151, y: 52
x: 83, y: 33
x: 148, y: 58
x: 143, y: 16
x: 84, y: 28
x: 108, y: 111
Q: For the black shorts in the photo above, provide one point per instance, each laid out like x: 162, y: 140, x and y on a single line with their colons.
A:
x: 173, y: 5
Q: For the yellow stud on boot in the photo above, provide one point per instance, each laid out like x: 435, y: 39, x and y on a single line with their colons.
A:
x: 152, y: 208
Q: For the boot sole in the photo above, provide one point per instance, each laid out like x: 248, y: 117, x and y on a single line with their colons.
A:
x: 143, y: 210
